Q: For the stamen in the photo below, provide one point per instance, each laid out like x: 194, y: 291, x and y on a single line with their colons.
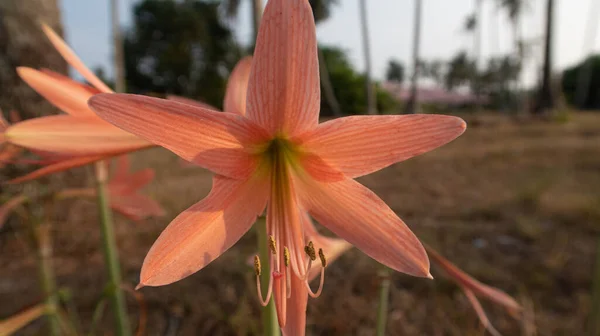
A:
x: 257, y: 270
x: 288, y: 280
x: 310, y: 251
x: 257, y: 265
x: 322, y: 257
x: 272, y: 245
x: 322, y: 281
x: 286, y: 256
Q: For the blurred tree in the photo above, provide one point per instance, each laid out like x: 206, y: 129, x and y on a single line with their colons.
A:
x: 180, y: 47
x: 589, y: 37
x: 475, y: 86
x: 570, y: 84
x: 232, y: 8
x: 434, y: 70
x: 461, y: 71
x: 496, y: 79
x: 118, y: 57
x: 411, y: 105
x: 22, y: 43
x: 349, y: 86
x: 371, y: 98
x: 545, y: 99
x: 514, y: 10
x: 470, y: 23
x: 395, y: 71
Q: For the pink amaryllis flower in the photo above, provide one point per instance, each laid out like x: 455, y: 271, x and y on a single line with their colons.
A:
x: 473, y: 288
x: 124, y: 194
x: 124, y: 191
x: 278, y: 157
x: 78, y: 138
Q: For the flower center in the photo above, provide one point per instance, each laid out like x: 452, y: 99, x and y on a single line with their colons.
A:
x: 290, y: 255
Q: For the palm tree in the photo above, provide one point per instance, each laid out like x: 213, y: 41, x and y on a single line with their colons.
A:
x: 232, y: 8
x: 257, y: 9
x: 321, y: 12
x: 412, y: 103
x: 477, y: 51
x: 119, y: 62
x: 371, y: 99
x: 22, y: 43
x: 514, y: 9
x: 545, y: 100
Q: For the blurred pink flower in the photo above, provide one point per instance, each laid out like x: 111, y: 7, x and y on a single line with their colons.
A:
x: 124, y: 194
x: 473, y: 288
x: 78, y: 138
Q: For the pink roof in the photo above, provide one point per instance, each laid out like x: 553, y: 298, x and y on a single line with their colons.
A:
x: 432, y: 95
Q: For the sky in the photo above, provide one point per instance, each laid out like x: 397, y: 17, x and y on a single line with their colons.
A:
x: 87, y: 30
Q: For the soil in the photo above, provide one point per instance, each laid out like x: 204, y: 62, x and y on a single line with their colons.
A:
x: 515, y: 203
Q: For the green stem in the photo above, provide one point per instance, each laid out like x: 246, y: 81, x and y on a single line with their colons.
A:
x: 594, y: 318
x: 47, y: 280
x: 384, y: 296
x: 269, y: 313
x: 111, y: 254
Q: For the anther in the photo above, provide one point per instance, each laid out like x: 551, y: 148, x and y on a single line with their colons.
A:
x: 310, y: 251
x: 257, y: 268
x: 286, y: 256
x: 272, y: 245
x: 322, y: 257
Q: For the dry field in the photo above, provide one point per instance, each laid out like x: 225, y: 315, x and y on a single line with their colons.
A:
x: 514, y: 203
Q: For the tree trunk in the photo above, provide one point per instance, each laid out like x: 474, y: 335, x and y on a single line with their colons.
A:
x: 545, y: 98
x: 328, y: 87
x: 477, y: 54
x: 119, y: 61
x: 22, y: 43
x: 257, y: 9
x: 371, y: 98
x: 413, y: 102
x: 520, y: 54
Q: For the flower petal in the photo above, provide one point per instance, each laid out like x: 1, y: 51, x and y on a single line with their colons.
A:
x: 136, y: 206
x: 360, y: 145
x: 66, y: 94
x: 219, y: 141
x: 480, y: 312
x: 296, y: 309
x: 71, y: 58
x: 357, y: 215
x: 121, y: 169
x: 472, y: 284
x: 131, y: 182
x: 70, y: 135
x: 192, y: 102
x: 237, y: 87
x: 284, y: 93
x: 63, y: 165
x: 203, y: 232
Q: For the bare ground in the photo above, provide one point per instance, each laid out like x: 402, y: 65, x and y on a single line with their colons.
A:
x: 514, y: 203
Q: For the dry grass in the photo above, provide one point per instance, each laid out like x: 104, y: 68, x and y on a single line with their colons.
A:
x: 515, y: 204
